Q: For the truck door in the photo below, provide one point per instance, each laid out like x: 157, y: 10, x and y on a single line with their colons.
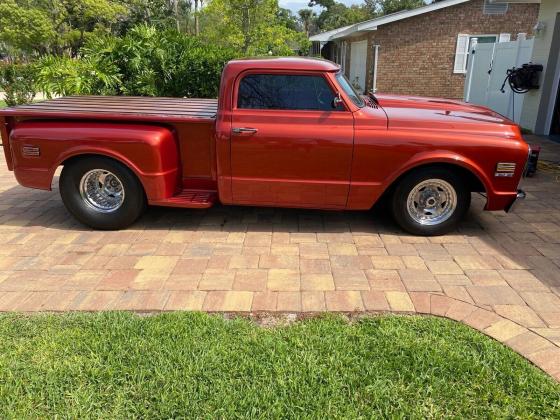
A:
x: 289, y: 145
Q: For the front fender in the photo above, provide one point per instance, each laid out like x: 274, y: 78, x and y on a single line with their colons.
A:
x: 495, y: 199
x: 364, y: 194
x: 151, y: 152
x: 426, y: 158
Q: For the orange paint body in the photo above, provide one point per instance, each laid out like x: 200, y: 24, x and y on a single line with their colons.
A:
x: 339, y: 159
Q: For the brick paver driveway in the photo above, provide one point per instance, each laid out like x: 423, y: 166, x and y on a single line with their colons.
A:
x: 499, y: 273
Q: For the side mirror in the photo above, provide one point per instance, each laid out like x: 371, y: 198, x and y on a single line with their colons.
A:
x: 337, y: 100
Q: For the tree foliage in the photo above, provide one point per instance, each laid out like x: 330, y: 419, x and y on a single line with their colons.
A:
x: 18, y: 83
x: 385, y: 7
x: 334, y: 15
x: 154, y: 47
x: 161, y: 14
x: 38, y: 27
x: 24, y: 29
x: 34, y: 28
x: 255, y: 27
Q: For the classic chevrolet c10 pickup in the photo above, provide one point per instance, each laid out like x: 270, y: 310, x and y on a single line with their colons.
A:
x: 289, y: 132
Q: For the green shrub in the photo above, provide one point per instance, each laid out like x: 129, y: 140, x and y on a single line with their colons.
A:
x: 145, y: 62
x: 18, y: 83
x: 69, y: 76
x: 163, y: 63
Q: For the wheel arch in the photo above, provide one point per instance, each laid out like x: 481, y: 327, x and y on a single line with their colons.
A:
x: 472, y: 180
x: 73, y: 157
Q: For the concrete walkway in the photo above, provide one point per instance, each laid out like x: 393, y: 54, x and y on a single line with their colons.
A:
x: 499, y: 273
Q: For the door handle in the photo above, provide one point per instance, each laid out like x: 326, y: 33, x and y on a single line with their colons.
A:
x: 241, y: 130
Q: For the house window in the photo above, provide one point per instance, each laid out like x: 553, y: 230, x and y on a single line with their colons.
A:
x: 335, y: 56
x: 491, y: 8
x: 340, y: 57
x: 315, y: 48
x: 465, y: 44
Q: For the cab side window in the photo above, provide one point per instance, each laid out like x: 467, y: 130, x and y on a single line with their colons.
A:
x: 291, y: 92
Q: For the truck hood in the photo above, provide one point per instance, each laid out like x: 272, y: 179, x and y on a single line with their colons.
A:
x: 438, y: 113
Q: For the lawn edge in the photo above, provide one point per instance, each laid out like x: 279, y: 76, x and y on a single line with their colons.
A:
x: 539, y: 350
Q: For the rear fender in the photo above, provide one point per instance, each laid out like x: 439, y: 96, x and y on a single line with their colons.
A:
x: 151, y: 152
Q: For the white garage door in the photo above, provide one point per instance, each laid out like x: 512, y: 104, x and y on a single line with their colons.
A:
x: 358, y: 55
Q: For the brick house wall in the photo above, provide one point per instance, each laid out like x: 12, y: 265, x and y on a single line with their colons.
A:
x: 416, y: 55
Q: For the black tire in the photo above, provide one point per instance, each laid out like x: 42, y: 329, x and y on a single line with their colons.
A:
x: 406, y: 185
x: 132, y: 206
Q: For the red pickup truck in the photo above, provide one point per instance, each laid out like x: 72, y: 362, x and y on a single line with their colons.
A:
x: 288, y: 132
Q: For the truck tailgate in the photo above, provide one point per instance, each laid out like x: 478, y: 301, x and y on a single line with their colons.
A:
x: 5, y: 137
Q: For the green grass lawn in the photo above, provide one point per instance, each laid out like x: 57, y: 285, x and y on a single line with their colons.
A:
x: 120, y: 365
x: 2, y: 104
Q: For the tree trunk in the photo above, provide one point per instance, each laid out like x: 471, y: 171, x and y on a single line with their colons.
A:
x: 196, y: 28
x: 176, y: 11
x: 245, y: 28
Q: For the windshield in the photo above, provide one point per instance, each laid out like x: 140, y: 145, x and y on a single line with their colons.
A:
x: 349, y: 89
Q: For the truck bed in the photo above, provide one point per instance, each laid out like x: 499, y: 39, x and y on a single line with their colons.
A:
x: 119, y: 108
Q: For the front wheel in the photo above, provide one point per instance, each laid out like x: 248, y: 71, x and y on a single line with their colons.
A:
x: 430, y: 201
x: 101, y: 193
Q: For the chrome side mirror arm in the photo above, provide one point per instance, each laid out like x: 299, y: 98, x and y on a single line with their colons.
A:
x: 337, y: 100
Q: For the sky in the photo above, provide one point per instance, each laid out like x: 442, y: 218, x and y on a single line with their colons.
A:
x: 295, y: 5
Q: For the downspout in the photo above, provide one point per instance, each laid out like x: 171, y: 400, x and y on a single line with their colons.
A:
x: 375, y: 54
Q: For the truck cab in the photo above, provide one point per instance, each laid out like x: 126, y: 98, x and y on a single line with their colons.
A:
x: 288, y: 132
x: 291, y: 132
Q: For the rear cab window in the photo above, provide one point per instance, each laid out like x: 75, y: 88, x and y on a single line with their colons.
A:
x: 286, y: 91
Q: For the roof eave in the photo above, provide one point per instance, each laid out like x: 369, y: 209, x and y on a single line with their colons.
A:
x: 353, y: 33
x: 373, y: 24
x: 326, y: 36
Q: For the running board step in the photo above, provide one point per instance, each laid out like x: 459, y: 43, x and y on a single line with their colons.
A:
x: 192, y: 199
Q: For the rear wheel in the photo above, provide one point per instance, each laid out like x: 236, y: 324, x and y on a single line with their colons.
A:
x: 430, y: 201
x: 101, y: 193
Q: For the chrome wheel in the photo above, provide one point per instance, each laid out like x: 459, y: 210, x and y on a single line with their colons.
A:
x: 102, y: 190
x: 431, y: 202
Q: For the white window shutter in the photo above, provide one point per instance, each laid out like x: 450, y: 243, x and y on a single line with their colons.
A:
x: 504, y: 37
x: 461, y: 53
